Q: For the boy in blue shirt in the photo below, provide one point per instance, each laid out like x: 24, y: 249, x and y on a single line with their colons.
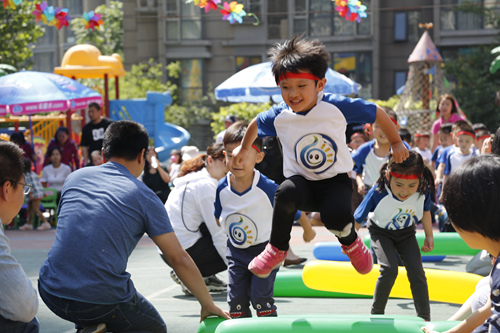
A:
x: 311, y: 126
x: 243, y: 208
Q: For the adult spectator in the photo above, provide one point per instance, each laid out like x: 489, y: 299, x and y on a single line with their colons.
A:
x: 69, y: 151
x: 175, y: 164
x: 19, y: 139
x: 446, y: 112
x: 93, y: 132
x: 228, y: 121
x: 104, y: 212
x: 190, y: 207
x: 18, y: 298
x: 155, y: 175
x: 55, y: 173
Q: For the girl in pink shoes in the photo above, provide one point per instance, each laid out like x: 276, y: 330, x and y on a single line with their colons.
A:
x: 311, y: 126
x: 401, y: 198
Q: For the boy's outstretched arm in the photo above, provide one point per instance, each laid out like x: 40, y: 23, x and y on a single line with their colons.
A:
x: 246, y: 143
x: 399, y: 151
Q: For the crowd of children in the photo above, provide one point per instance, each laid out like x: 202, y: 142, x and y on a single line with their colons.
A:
x: 383, y: 176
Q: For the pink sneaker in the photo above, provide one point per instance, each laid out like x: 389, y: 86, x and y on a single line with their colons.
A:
x: 266, y: 261
x: 361, y: 258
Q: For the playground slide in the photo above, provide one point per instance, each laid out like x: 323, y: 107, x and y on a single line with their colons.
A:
x: 150, y: 112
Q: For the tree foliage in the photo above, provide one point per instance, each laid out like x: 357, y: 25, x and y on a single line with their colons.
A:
x: 109, y: 37
x: 19, y: 34
x: 475, y: 86
x: 243, y: 111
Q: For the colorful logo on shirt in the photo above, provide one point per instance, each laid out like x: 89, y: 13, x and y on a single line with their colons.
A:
x: 241, y: 230
x: 316, y: 152
x: 402, y: 219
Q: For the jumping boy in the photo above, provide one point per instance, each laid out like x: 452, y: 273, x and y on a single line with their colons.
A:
x: 316, y: 161
x: 244, y: 207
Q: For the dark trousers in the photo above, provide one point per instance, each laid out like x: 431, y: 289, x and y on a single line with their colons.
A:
x: 11, y: 326
x: 331, y: 197
x: 385, y: 243
x: 204, y: 254
x: 244, y: 287
x: 137, y: 315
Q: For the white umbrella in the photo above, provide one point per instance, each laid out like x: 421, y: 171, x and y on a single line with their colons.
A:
x: 256, y: 84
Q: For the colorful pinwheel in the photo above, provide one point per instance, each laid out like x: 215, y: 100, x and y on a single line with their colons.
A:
x: 61, y: 18
x: 351, y: 9
x: 92, y: 20
x: 44, y: 12
x: 11, y: 3
x: 233, y: 12
x: 211, y: 4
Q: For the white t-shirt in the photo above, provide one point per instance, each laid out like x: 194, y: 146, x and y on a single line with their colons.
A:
x: 55, y: 176
x: 427, y: 154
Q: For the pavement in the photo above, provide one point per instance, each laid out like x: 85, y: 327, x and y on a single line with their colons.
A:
x: 181, y: 313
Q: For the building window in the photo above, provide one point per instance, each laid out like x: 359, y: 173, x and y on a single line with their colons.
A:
x: 452, y: 18
x: 252, y: 6
x: 244, y: 62
x: 190, y: 81
x: 184, y: 21
x: 358, y: 67
x: 399, y: 80
x: 318, y: 18
x: 277, y: 19
x: 44, y: 61
x: 406, y: 26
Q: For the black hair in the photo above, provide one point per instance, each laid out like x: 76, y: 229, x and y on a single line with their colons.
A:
x: 479, y: 126
x: 404, y: 134
x: 236, y: 132
x: 446, y: 128
x: 495, y: 143
x: 27, y: 165
x: 125, y: 139
x: 462, y: 125
x: 51, y: 150
x: 297, y: 54
x: 59, y: 130
x: 18, y: 137
x: 454, y: 108
x: 12, y: 162
x: 482, y: 132
x: 390, y: 112
x: 94, y: 105
x: 215, y: 151
x: 413, y: 165
x: 472, y: 193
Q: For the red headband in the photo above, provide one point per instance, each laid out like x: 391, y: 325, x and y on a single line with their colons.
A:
x: 403, y: 176
x: 254, y: 147
x: 290, y: 75
x: 394, y: 121
x: 466, y: 133
x: 486, y: 136
x: 418, y: 135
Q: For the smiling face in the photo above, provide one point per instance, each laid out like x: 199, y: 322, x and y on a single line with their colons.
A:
x: 464, y: 142
x: 403, y: 188
x: 245, y: 168
x: 301, y: 94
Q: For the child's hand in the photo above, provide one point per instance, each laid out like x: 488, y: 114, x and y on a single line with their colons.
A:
x: 428, y: 330
x: 486, y: 148
x: 437, y: 181
x: 361, y: 189
x: 308, y: 235
x: 239, y: 154
x: 399, y: 152
x: 428, y: 244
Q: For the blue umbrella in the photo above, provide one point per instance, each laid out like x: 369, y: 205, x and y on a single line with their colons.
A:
x: 34, y: 92
x: 256, y: 84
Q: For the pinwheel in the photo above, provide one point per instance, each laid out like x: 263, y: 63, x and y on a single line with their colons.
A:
x: 11, y: 3
x: 92, y: 20
x: 44, y: 12
x: 61, y: 18
x: 233, y: 12
x: 351, y: 9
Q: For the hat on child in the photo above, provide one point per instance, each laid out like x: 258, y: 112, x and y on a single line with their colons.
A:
x: 189, y: 152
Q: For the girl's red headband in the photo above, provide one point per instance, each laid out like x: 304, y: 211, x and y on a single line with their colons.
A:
x: 394, y: 121
x: 486, y: 136
x: 419, y: 135
x: 290, y: 75
x: 466, y: 133
x: 403, y: 176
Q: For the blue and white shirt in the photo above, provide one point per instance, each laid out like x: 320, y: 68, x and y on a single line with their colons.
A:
x: 314, y: 143
x: 246, y: 217
x: 454, y: 158
x: 391, y: 213
x: 367, y: 163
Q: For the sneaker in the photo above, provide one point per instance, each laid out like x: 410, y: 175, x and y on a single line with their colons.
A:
x: 360, y: 256
x: 97, y: 328
x: 264, y: 263
x: 26, y: 226
x: 214, y: 283
x: 176, y: 279
x: 44, y: 226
